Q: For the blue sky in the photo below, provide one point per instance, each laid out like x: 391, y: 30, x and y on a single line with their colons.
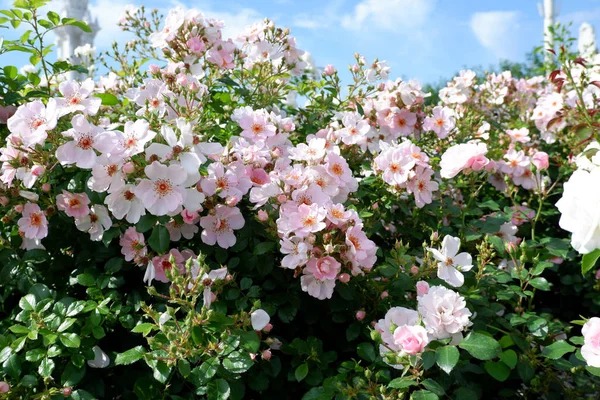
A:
x: 423, y: 39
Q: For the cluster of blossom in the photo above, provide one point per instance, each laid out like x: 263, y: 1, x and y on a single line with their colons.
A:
x: 405, y: 166
x: 580, y: 203
x: 393, y: 112
x: 305, y: 185
x: 159, y: 173
x: 441, y: 313
x: 516, y: 165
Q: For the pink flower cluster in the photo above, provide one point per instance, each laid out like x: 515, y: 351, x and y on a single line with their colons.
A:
x: 405, y: 166
x: 442, y: 313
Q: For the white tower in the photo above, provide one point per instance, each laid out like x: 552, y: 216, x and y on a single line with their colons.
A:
x: 68, y: 38
x: 548, y: 11
x: 586, y: 44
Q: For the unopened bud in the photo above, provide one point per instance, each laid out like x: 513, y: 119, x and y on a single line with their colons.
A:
x: 266, y: 355
x: 46, y: 187
x: 262, y: 215
x: 384, y: 294
x: 344, y: 278
x: 360, y: 315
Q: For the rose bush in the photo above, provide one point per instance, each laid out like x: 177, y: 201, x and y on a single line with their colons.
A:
x: 216, y: 217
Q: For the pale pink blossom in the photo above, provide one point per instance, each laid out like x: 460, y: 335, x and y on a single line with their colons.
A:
x: 73, y: 204
x: 86, y: 139
x: 441, y: 122
x: 410, y: 339
x: 591, y: 345
x: 132, y: 244
x: 123, y: 203
x: 95, y: 223
x: 296, y: 252
x: 76, y: 97
x: 161, y: 193
x: 31, y: 122
x: 422, y: 288
x: 323, y: 268
x: 463, y: 156
x: 162, y: 264
x: 320, y: 289
x: 540, y: 160
x: 444, y: 312
x: 219, y: 227
x: 519, y: 135
x: 33, y: 223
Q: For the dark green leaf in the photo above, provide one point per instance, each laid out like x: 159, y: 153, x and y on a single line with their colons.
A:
x: 130, y: 356
x: 557, y: 349
x: 589, y: 261
x: 366, y: 351
x: 70, y: 340
x: 498, y: 370
x: 301, y: 372
x: 159, y: 239
x: 447, y: 357
x: 480, y: 346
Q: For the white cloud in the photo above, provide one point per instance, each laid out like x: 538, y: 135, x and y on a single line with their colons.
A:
x: 497, y: 31
x: 392, y: 15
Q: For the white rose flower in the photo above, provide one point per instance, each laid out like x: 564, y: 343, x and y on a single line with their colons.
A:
x: 444, y: 312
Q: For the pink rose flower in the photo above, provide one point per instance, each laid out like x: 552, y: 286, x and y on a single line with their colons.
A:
x: 324, y: 268
x: 411, y: 339
x: 540, y: 160
x: 591, y: 347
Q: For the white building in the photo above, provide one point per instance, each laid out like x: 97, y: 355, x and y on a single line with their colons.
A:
x: 68, y: 38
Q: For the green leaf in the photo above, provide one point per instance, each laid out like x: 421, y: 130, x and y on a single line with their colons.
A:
x: 86, y: 279
x: 130, y: 356
x: 11, y: 72
x: 28, y: 302
x: 218, y: 390
x: 161, y: 371
x: 301, y: 371
x: 66, y: 324
x: 263, y: 247
x: 70, y: 340
x: 509, y: 357
x: 557, y: 349
x: 46, y: 367
x: 402, y: 383
x: 318, y: 393
x: 480, y: 346
x: 366, y: 351
x: 498, y: 370
x: 237, y: 362
x: 5, y: 354
x: 250, y: 341
x: 159, y: 239
x: 540, y: 283
x: 145, y: 223
x: 75, y: 308
x: 144, y: 328
x: 54, y: 17
x: 202, y: 374
x: 108, y: 99
x: 80, y: 24
x: 434, y: 387
x: 423, y: 395
x: 72, y: 375
x: 588, y: 261
x: 19, y: 329
x: 447, y: 357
